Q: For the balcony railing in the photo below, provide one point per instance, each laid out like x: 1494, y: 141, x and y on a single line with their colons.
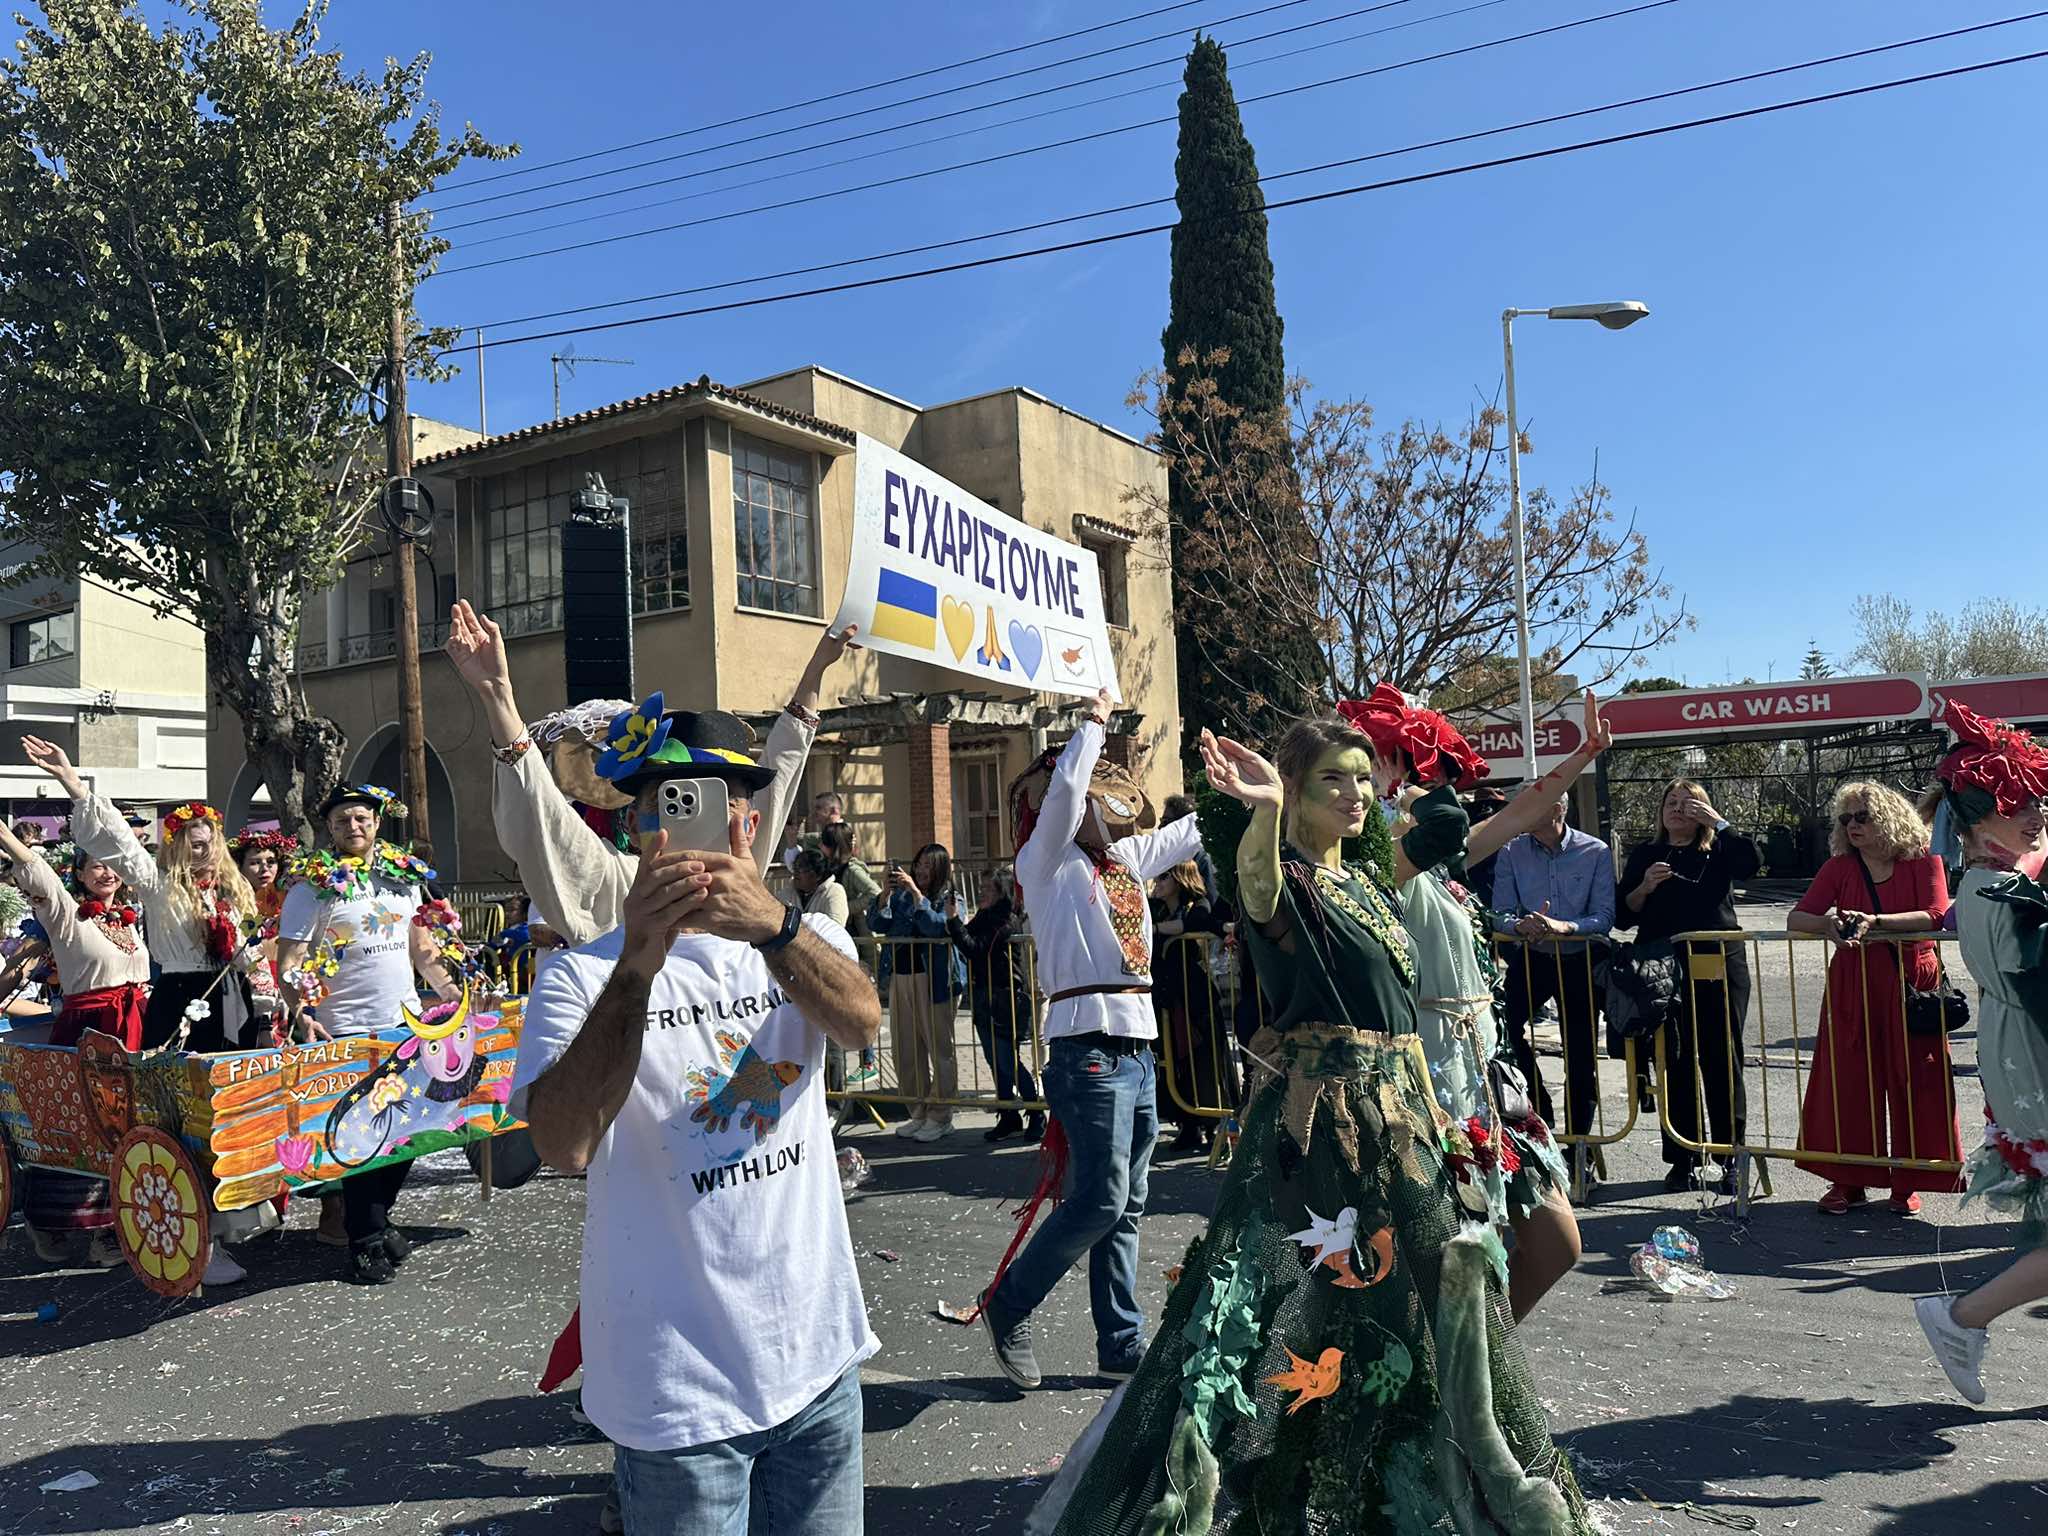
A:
x: 375, y: 646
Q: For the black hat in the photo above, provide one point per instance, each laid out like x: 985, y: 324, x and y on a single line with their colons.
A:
x: 375, y: 796
x: 649, y: 744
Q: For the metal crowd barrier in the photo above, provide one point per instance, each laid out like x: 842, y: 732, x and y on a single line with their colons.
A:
x: 1853, y: 1098
x: 1208, y: 1000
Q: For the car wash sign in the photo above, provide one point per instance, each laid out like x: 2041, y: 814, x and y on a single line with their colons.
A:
x: 1766, y: 709
x: 939, y: 577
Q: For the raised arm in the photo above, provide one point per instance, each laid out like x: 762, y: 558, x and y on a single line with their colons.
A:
x: 1237, y: 771
x: 1152, y: 854
x: 1066, y: 798
x: 1527, y: 810
x: 96, y: 827
x: 53, y: 905
x: 788, y: 746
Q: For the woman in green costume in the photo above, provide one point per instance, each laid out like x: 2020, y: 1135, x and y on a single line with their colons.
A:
x: 1993, y: 787
x: 1337, y: 1355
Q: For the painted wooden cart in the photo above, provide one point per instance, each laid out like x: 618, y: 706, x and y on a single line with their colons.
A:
x: 178, y: 1136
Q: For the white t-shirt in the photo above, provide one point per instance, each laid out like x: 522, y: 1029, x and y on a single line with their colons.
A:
x: 719, y: 1289
x: 371, y: 936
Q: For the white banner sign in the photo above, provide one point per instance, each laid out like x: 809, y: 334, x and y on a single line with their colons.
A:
x: 938, y: 576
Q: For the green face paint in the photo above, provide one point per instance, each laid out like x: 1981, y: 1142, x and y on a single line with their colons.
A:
x: 1331, y: 802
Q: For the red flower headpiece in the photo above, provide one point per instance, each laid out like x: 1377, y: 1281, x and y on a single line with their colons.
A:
x: 1437, y: 748
x: 283, y: 844
x: 178, y: 818
x: 2001, y: 760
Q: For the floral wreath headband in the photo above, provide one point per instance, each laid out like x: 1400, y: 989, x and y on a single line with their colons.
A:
x: 1437, y: 748
x: 248, y: 840
x: 178, y: 818
x: 1994, y: 767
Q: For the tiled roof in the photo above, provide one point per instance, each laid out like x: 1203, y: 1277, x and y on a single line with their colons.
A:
x: 703, y: 388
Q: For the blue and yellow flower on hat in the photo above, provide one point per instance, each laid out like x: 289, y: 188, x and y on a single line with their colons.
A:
x: 636, y: 735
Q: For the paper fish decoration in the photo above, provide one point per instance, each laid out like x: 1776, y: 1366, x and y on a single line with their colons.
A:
x: 1325, y: 1236
x: 1312, y: 1381
x: 1340, y: 1262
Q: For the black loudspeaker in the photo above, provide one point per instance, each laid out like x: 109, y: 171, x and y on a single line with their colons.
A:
x: 597, y: 608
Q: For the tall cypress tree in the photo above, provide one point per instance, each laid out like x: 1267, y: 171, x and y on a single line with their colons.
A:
x: 1222, y: 297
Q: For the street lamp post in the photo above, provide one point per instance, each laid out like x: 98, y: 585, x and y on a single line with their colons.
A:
x: 1614, y: 316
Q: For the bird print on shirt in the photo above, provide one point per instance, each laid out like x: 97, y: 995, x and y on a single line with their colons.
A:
x: 746, y: 1087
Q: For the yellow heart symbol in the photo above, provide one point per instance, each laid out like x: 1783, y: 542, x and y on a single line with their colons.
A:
x: 959, y: 620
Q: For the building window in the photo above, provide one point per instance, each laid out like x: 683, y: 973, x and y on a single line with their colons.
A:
x: 977, y: 810
x: 50, y: 638
x: 775, y: 532
x: 1112, y: 559
x: 647, y: 473
x: 522, y: 512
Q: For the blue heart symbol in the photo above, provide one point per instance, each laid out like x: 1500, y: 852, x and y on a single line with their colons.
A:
x: 1027, y: 645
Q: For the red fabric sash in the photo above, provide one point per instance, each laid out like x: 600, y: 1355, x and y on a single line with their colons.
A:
x: 115, y: 1011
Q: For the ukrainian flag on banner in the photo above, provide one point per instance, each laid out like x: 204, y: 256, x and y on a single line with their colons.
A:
x: 906, y: 610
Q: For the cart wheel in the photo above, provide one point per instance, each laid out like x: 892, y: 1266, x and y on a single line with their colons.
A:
x: 160, y: 1212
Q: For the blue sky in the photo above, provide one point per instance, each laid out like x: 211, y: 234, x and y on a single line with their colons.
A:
x: 1838, y: 367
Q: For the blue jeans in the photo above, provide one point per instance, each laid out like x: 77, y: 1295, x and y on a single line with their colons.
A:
x: 801, y: 1478
x: 1106, y: 1105
x: 1003, y: 1025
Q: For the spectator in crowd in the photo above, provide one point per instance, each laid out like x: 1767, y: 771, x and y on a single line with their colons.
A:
x: 923, y: 977
x: 1486, y: 801
x: 29, y: 833
x: 1172, y: 809
x: 818, y: 890
x: 841, y: 847
x: 1683, y: 881
x: 713, y: 1188
x: 1881, y: 879
x: 1192, y: 1019
x: 999, y: 984
x: 1555, y: 890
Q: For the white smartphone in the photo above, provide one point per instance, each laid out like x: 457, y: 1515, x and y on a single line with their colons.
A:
x: 694, y: 813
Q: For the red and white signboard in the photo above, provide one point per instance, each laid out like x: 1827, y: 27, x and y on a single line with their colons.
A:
x: 1757, y: 709
x: 1500, y: 743
x: 2023, y: 699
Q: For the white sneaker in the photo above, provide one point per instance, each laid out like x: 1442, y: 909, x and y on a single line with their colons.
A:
x: 221, y: 1268
x: 910, y: 1128
x: 1959, y: 1350
x: 105, y: 1251
x: 933, y: 1130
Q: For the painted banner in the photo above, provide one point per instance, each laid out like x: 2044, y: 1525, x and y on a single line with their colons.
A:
x: 940, y: 577
x: 310, y: 1113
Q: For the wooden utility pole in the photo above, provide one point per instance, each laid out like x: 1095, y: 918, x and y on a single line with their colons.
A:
x: 398, y: 466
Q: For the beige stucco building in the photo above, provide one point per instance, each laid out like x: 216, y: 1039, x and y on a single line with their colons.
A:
x: 741, y: 519
x: 98, y: 671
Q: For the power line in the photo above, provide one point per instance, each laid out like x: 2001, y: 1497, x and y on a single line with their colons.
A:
x: 1306, y: 200
x: 775, y: 133
x: 945, y: 138
x: 1039, y: 149
x: 1275, y: 176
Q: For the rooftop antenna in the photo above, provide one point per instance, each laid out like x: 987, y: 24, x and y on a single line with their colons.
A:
x: 557, y: 361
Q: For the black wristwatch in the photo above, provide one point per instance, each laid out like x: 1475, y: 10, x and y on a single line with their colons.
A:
x: 792, y: 924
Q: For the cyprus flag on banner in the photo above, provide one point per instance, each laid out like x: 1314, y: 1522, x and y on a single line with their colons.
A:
x: 940, y: 577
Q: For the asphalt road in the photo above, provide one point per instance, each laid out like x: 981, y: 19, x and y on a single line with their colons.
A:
x: 293, y: 1403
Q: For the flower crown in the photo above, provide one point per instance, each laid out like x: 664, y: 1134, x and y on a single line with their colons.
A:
x: 178, y: 818
x: 275, y: 839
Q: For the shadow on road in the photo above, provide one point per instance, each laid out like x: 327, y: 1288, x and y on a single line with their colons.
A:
x: 1753, y: 1438
x: 2012, y: 1506
x: 486, y: 1450
x: 967, y: 1167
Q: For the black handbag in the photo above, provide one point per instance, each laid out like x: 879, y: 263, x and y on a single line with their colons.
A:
x: 1932, y: 1010
x: 1643, y: 984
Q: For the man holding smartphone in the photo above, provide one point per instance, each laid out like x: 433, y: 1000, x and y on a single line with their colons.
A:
x: 679, y: 1060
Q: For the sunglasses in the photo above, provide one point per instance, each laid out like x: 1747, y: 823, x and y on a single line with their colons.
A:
x: 1853, y: 819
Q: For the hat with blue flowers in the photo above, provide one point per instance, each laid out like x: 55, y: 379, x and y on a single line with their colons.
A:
x: 648, y: 744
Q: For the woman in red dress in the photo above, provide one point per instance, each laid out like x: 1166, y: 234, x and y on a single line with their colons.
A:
x: 1867, y: 1069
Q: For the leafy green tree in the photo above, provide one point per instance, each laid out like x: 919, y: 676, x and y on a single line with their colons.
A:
x: 1224, y: 332
x: 196, y: 290
x: 1816, y: 666
x: 1990, y: 637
